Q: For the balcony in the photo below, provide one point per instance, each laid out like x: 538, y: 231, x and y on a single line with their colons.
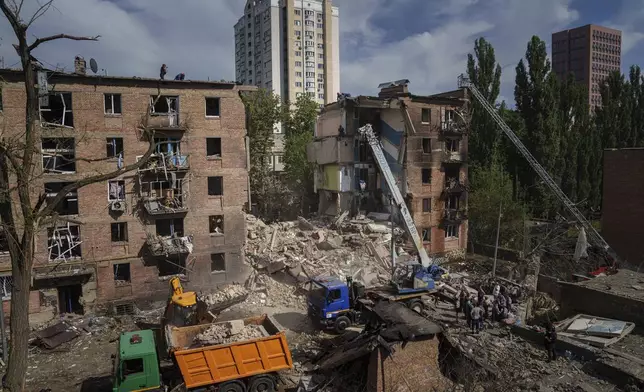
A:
x: 454, y: 186
x: 454, y: 216
x: 169, y: 245
x: 452, y: 157
x: 455, y: 128
x: 162, y: 162
x: 168, y: 204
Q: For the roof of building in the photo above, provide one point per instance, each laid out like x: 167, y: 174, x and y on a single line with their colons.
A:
x: 11, y: 75
x: 624, y: 283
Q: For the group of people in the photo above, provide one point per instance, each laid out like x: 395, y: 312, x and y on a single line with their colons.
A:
x: 479, y: 308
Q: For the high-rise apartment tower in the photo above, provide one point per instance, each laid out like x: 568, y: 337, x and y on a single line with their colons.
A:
x: 590, y: 52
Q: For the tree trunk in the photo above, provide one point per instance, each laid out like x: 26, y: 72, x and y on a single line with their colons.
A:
x: 18, y: 353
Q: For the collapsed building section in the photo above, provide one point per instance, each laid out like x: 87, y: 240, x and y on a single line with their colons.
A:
x: 424, y: 139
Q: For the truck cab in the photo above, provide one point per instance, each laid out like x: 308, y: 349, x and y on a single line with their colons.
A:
x: 329, y: 301
x: 136, y: 365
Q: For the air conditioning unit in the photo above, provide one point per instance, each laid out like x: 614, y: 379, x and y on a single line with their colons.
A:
x: 117, y: 205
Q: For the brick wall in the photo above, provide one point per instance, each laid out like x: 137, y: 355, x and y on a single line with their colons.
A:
x: 91, y: 129
x: 622, y: 207
x: 417, y: 160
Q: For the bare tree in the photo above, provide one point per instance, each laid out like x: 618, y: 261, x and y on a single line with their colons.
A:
x: 22, y: 214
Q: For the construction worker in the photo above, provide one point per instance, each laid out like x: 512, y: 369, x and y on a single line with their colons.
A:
x: 550, y: 340
x: 476, y: 314
x: 468, y: 310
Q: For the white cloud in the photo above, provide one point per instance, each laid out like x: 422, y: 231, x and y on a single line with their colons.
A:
x: 426, y: 41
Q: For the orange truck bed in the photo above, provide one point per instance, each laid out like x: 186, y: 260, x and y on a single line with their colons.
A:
x: 209, y: 365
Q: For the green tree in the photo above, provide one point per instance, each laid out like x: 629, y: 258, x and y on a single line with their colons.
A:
x: 614, y: 116
x: 263, y: 113
x: 515, y: 164
x: 637, y: 104
x: 485, y: 73
x: 491, y: 189
x: 537, y: 99
x: 299, y: 125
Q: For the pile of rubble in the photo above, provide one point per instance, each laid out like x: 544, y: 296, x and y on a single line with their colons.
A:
x: 302, y: 249
x: 229, y: 332
x: 225, y: 295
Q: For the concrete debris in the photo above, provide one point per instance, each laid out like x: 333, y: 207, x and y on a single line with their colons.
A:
x: 229, y: 332
x: 225, y: 294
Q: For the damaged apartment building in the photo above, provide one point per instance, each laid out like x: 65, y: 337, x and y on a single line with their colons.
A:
x: 424, y: 139
x: 181, y: 213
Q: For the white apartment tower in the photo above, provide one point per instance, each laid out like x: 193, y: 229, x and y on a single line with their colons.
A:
x: 291, y: 47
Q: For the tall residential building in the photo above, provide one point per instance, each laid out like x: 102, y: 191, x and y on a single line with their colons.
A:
x: 117, y: 242
x: 424, y: 139
x: 291, y: 47
x: 590, y: 52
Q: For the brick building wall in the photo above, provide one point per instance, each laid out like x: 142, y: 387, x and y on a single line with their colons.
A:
x: 622, y: 208
x: 91, y: 130
x: 426, y: 150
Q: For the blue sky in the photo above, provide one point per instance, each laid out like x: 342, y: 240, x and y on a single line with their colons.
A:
x: 426, y: 41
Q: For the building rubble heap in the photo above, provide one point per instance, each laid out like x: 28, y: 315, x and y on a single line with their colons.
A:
x: 304, y: 249
x: 224, y: 295
x: 229, y: 332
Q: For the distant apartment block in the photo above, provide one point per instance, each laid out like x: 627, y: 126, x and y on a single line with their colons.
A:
x: 424, y: 139
x: 292, y: 48
x: 590, y: 52
x: 181, y: 213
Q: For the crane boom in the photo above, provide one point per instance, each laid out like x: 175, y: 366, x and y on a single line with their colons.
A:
x: 410, y: 227
x: 595, y: 237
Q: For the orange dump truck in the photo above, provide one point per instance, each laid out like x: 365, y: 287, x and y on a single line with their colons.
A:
x: 249, y: 365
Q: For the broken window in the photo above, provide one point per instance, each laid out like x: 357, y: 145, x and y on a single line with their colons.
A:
x: 164, y: 105
x: 213, y: 147
x: 119, y: 232
x: 450, y: 115
x: 122, y: 274
x: 69, y: 204
x: 6, y: 282
x: 215, y: 186
x: 216, y: 223
x: 169, y: 227
x: 64, y: 242
x: 427, y: 205
x: 426, y: 176
x: 56, y: 109
x: 427, y: 145
x: 218, y: 262
x: 58, y: 155
x: 425, y: 115
x: 112, y: 103
x: 427, y: 235
x: 451, y: 231
x: 452, y: 145
x: 212, y: 107
x: 114, y: 147
x: 452, y: 202
x: 172, y: 265
x: 116, y: 190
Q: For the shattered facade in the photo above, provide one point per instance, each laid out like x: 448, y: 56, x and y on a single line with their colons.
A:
x: 424, y: 139
x: 119, y: 240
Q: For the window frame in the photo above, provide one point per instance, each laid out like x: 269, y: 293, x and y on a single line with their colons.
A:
x: 422, y: 115
x: 108, y: 190
x: 422, y: 176
x: 454, y: 229
x: 212, y: 256
x: 218, y: 107
x: 111, y: 96
x: 108, y: 142
x: 427, y: 200
x: 122, y: 229
x: 221, y: 183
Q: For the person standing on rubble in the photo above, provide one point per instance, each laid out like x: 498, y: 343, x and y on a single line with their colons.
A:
x: 550, y: 340
x: 475, y: 315
x: 468, y: 311
x: 458, y: 305
x: 481, y: 295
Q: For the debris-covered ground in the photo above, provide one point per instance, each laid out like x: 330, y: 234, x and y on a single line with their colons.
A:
x: 283, y: 256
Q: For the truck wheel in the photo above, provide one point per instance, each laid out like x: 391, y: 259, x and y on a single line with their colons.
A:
x: 342, y: 323
x: 417, y: 306
x: 232, y: 386
x: 262, y: 384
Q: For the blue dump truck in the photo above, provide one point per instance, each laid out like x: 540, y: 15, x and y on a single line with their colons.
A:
x: 335, y: 304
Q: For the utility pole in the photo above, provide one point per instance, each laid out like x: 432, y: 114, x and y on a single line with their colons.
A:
x: 498, y: 231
